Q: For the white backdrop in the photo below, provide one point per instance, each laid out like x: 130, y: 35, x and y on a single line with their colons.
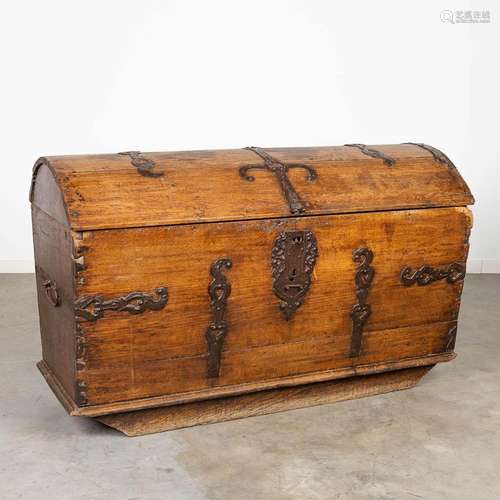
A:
x: 115, y: 75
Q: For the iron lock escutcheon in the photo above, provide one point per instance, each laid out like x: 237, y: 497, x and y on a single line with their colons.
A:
x: 293, y: 258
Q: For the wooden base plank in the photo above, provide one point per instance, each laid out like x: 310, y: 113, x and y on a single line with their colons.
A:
x: 57, y: 388
x: 138, y: 423
x: 226, y: 391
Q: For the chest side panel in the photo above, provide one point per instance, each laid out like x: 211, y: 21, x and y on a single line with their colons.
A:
x: 165, y: 351
x: 54, y: 266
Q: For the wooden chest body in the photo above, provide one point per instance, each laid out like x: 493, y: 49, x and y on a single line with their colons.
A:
x: 168, y: 278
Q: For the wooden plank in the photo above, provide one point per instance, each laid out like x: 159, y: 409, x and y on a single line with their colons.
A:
x: 113, y: 382
x: 107, y: 191
x: 143, y: 422
x: 225, y: 391
x: 53, y: 261
x: 58, y: 389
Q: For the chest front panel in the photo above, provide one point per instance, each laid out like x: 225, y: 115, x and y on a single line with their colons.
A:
x: 239, y: 304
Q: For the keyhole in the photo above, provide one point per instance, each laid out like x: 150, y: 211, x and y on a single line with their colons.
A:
x: 292, y: 275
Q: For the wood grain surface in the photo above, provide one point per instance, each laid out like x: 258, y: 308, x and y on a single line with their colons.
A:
x: 164, y: 352
x: 225, y: 391
x: 139, y: 423
x: 107, y: 191
x: 53, y: 260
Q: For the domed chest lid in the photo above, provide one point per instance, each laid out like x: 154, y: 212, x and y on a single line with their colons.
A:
x: 134, y: 189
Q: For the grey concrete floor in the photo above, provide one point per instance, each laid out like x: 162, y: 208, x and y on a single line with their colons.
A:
x: 440, y: 440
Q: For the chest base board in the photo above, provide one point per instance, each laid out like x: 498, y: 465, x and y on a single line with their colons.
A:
x: 142, y: 422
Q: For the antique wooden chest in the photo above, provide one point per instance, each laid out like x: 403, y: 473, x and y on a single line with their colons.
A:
x: 189, y: 287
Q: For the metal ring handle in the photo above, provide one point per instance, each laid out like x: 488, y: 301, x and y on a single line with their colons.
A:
x: 51, y: 291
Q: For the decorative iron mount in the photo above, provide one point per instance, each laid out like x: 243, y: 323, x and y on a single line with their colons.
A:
x: 219, y: 291
x: 427, y: 274
x: 361, y: 311
x: 92, y: 308
x: 438, y: 156
x: 374, y: 153
x: 293, y: 258
x: 280, y: 170
x: 49, y: 286
x: 451, y: 338
x: 51, y: 291
x: 143, y: 165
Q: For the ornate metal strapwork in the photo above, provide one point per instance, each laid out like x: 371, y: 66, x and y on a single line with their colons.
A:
x: 293, y: 258
x: 93, y: 307
x: 361, y: 311
x: 451, y: 338
x: 374, y: 153
x: 438, y: 155
x: 280, y: 170
x: 219, y: 291
x: 427, y: 274
x: 143, y: 165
